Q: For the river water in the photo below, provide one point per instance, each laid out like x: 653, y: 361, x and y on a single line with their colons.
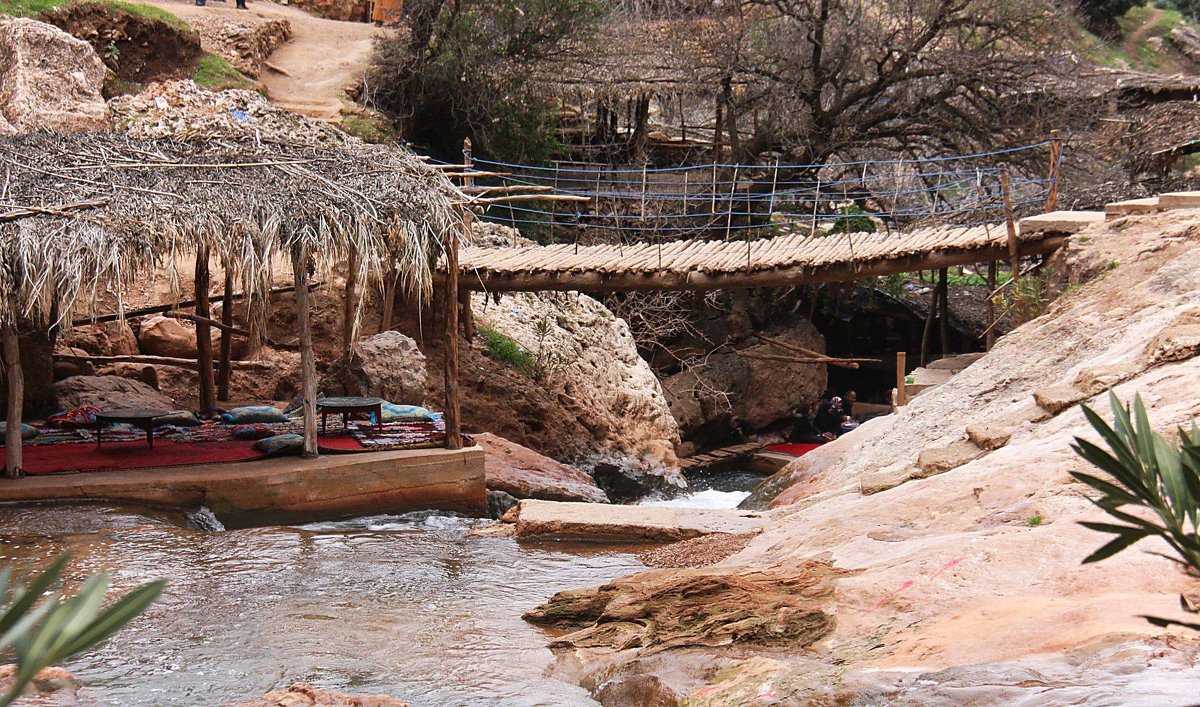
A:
x: 407, y: 605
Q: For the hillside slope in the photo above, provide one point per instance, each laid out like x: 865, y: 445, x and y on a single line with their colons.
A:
x: 879, y: 581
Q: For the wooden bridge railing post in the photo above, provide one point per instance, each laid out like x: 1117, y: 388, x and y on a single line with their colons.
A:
x: 1056, y: 148
x: 1010, y: 223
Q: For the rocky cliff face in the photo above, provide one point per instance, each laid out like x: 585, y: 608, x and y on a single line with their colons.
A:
x: 949, y: 532
x: 587, y: 360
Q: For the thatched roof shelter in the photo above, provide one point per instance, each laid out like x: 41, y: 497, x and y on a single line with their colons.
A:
x: 82, y: 215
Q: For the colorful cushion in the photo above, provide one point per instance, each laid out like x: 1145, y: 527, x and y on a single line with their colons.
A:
x: 281, y: 445
x: 405, y: 413
x: 252, y: 432
x: 75, y: 418
x: 179, y: 418
x: 254, y: 413
x: 27, y: 432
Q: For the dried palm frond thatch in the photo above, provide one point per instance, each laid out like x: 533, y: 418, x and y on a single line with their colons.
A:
x: 84, y: 214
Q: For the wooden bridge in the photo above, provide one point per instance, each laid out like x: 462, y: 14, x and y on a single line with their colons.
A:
x: 780, y: 261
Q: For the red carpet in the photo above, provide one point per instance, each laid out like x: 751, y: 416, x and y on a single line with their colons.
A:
x: 67, y: 458
x: 340, y: 443
x: 796, y: 450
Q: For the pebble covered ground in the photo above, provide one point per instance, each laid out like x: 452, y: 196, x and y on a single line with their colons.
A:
x: 696, y: 552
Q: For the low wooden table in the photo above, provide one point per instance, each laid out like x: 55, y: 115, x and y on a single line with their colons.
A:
x: 349, y: 406
x: 138, y: 417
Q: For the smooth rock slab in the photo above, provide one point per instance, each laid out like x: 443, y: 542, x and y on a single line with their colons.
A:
x: 594, y: 522
x: 1180, y: 200
x: 1132, y: 207
x: 1061, y: 222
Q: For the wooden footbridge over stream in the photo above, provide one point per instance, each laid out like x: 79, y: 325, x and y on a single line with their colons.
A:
x: 781, y: 261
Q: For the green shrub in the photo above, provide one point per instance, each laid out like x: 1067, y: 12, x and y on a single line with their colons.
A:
x: 39, y: 627
x: 852, y: 219
x: 1158, y: 477
x: 503, y: 348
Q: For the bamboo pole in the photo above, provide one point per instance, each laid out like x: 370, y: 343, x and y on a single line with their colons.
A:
x: 13, y: 451
x: 204, y: 353
x: 815, y: 354
x: 990, y: 336
x: 944, y: 309
x: 308, y: 366
x: 224, y: 371
x: 222, y: 326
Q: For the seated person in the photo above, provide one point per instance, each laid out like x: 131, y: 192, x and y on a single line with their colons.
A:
x: 848, y: 401
x: 804, y: 429
x: 829, y: 417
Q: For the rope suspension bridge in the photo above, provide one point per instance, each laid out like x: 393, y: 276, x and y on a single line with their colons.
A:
x: 721, y: 226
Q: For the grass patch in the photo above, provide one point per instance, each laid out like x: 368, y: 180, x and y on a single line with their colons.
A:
x: 215, y: 73
x: 503, y: 348
x: 370, y: 127
x: 29, y: 8
x: 1035, y: 520
x: 151, y: 13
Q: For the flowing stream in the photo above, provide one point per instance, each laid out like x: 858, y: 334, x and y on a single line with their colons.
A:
x: 402, y: 605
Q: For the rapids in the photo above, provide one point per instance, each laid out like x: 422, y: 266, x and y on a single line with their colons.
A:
x: 401, y: 605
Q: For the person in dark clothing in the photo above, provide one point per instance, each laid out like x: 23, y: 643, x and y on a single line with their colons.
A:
x: 829, y: 417
x: 804, y: 429
x: 848, y: 401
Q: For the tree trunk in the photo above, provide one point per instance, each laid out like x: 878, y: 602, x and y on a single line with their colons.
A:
x: 225, y: 369
x: 308, y: 365
x: 991, y: 307
x: 349, y: 306
x: 13, y: 464
x: 204, y: 354
x: 944, y: 309
x: 450, y: 310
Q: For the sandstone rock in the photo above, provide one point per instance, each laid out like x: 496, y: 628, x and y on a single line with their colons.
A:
x: 873, y: 482
x: 618, y: 413
x: 134, y: 371
x: 664, y: 609
x: 590, y: 522
x: 755, y: 391
x: 1180, y: 340
x: 989, y: 435
x: 957, y: 364
x: 625, y: 482
x: 51, y: 686
x: 304, y: 695
x: 523, y: 473
x: 167, y: 336
x: 107, y: 339
x: 109, y: 392
x: 387, y: 365
x: 65, y: 368
x: 935, y: 460
x: 1058, y: 398
x: 49, y: 80
x: 1101, y: 378
x: 641, y: 690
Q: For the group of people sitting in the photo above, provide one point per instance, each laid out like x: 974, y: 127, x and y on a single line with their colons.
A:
x: 833, y: 418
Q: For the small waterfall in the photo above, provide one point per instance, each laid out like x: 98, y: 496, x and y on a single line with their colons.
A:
x: 204, y: 519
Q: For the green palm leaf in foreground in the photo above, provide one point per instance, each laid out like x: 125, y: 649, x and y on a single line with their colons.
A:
x: 40, y: 628
x: 1150, y: 473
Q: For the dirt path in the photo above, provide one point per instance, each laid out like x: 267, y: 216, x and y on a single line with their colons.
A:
x: 321, y: 60
x: 1130, y: 45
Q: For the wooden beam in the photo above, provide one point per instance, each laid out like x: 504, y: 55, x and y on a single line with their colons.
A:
x: 349, y: 305
x: 163, y: 308
x: 204, y: 353
x: 809, y: 352
x: 14, y: 467
x: 229, y: 328
x: 901, y: 378
x: 308, y: 364
x: 591, y: 281
x: 224, y: 370
x: 61, y: 210
x: 1014, y: 244
x: 468, y: 316
x: 795, y: 359
x: 188, y: 363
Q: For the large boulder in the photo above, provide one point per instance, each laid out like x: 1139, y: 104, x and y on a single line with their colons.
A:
x: 388, y: 365
x: 107, y: 339
x: 523, y: 473
x: 49, y: 80
x: 165, y: 336
x: 610, y: 407
x: 109, y: 393
x: 752, y: 389
x: 302, y: 694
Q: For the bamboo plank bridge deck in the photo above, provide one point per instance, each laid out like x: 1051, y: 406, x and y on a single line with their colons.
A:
x: 780, y: 261
x: 717, y: 456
